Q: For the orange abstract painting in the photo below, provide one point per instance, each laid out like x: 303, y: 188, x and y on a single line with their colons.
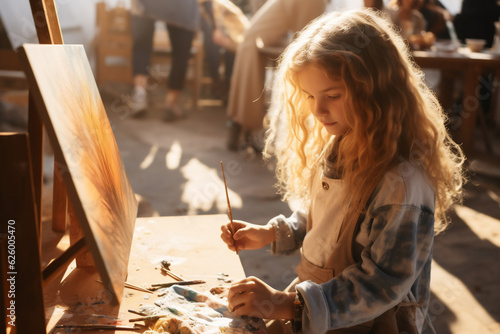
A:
x: 67, y: 97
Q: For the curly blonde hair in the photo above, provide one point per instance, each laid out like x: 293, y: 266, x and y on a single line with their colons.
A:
x: 392, y: 115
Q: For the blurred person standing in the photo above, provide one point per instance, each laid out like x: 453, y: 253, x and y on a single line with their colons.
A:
x: 181, y: 18
x: 436, y: 15
x: 270, y: 26
x: 223, y: 25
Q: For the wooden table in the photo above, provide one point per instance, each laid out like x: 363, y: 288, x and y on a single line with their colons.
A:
x: 191, y: 243
x: 472, y: 65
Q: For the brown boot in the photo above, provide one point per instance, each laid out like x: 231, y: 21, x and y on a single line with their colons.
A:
x: 255, y: 140
x: 234, y: 136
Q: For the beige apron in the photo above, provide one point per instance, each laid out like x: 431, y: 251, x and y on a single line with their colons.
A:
x: 347, y: 252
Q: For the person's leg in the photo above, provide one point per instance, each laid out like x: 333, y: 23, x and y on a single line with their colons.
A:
x: 142, y: 35
x: 245, y: 104
x: 228, y: 72
x: 181, y: 40
x: 228, y: 65
x: 212, y: 50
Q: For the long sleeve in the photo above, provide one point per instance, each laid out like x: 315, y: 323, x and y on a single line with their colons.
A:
x: 397, y: 258
x: 289, y: 231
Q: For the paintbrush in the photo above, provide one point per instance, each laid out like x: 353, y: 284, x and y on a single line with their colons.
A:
x: 165, y: 266
x: 230, y: 214
x: 166, y: 285
x: 132, y: 286
x: 97, y: 327
x: 138, y: 313
x: 149, y: 317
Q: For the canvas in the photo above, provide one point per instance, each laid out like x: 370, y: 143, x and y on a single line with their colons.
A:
x: 67, y: 97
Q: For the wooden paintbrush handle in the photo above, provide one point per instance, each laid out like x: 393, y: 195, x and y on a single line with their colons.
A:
x: 230, y: 214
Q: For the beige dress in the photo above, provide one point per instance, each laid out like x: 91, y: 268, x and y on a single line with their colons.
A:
x: 269, y: 27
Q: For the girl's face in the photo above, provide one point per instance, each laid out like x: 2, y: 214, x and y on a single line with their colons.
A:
x: 326, y: 98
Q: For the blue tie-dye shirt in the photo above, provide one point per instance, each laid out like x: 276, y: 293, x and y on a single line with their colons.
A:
x: 396, y: 258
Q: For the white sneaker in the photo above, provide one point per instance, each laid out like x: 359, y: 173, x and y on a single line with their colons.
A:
x: 139, y: 101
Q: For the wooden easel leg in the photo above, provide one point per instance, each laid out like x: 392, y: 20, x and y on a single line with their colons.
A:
x: 59, y: 198
x: 49, y: 32
x: 46, y: 22
x: 35, y: 129
x: 83, y: 260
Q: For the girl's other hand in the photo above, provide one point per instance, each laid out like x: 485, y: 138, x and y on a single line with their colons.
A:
x: 246, y: 235
x: 254, y: 298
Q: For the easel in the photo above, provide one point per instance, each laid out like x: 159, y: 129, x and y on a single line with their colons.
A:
x: 53, y: 72
x: 22, y: 190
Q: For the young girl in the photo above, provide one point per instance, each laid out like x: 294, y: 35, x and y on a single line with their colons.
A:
x: 361, y: 140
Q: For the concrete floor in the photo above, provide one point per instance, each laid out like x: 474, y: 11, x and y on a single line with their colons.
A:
x: 175, y: 168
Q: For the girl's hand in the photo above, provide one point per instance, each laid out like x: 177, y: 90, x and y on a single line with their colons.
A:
x: 246, y: 235
x: 254, y: 298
